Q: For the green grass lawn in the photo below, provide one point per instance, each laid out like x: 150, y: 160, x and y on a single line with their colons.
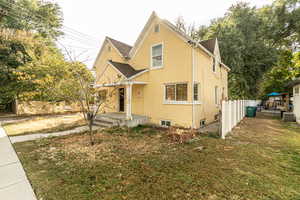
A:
x: 260, y: 160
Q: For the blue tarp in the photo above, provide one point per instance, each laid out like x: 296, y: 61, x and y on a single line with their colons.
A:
x: 274, y: 94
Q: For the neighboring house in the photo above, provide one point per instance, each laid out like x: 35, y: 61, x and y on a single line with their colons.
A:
x: 165, y: 75
x: 296, y: 98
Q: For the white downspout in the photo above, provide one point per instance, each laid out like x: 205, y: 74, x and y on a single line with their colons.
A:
x: 193, y: 82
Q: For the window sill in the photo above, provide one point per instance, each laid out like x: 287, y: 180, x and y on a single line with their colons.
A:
x: 153, y: 68
x: 181, y: 103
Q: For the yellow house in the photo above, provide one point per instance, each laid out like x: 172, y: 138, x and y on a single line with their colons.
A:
x: 165, y: 78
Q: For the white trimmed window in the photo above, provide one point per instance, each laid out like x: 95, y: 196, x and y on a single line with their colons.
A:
x: 214, y: 65
x: 196, y: 91
x: 176, y: 92
x: 156, y: 28
x: 216, y: 95
x: 157, y: 56
x: 165, y: 123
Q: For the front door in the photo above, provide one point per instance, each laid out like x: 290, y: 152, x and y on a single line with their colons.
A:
x: 121, y: 99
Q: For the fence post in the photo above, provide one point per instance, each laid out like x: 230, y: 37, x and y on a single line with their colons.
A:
x: 230, y: 113
x: 241, y: 110
x: 244, y: 108
x: 223, y: 119
x: 234, y: 113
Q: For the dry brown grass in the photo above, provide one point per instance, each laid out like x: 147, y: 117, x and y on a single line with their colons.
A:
x: 259, y: 160
x: 44, y: 124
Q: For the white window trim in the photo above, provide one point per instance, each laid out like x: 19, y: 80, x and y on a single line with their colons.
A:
x: 199, y: 91
x: 156, y: 25
x: 162, y: 56
x: 165, y: 125
x: 216, y: 95
x: 214, y: 61
x: 174, y: 101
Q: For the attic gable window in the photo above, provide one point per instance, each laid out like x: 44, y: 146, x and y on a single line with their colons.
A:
x: 156, y: 56
x: 214, y: 65
x: 156, y: 28
x: 216, y: 95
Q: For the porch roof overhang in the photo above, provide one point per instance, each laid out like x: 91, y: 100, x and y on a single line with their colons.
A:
x: 120, y: 83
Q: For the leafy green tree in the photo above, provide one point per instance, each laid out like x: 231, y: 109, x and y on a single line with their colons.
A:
x: 14, y: 53
x: 27, y: 28
x: 282, y: 23
x: 49, y: 77
x: 243, y: 48
x: 251, y: 40
x: 39, y: 16
x: 287, y: 68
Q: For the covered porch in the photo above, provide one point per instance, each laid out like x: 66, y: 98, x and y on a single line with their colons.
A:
x: 122, y: 114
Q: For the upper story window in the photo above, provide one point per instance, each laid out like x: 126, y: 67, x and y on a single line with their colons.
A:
x: 196, y: 91
x: 176, y: 92
x: 216, y: 95
x: 156, y: 28
x: 157, y: 56
x: 109, y: 48
x: 214, y: 65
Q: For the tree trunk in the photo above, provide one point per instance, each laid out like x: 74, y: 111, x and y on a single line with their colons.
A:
x: 92, y: 141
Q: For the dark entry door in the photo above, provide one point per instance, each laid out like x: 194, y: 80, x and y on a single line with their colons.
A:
x: 121, y: 99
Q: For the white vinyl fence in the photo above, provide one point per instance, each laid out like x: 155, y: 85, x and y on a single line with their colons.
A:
x: 233, y: 112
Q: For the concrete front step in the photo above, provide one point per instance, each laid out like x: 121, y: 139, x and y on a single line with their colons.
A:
x: 119, y: 119
x: 104, y: 123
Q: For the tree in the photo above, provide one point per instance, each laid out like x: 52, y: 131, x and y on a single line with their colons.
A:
x: 282, y: 23
x: 28, y: 29
x: 243, y: 49
x: 39, y: 16
x: 251, y: 40
x: 276, y: 80
x: 14, y: 52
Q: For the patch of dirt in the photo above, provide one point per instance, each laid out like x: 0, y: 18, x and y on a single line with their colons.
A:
x: 261, y: 128
x: 107, y: 144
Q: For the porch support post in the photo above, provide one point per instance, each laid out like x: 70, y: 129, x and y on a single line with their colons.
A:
x: 128, y: 101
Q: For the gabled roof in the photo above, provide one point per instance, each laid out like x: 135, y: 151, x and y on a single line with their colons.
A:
x: 209, y: 48
x: 123, y: 48
x: 125, y: 69
x: 128, y: 51
x: 209, y: 44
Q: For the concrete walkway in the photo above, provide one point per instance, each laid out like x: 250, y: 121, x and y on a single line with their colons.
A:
x: 23, y: 138
x: 14, y: 184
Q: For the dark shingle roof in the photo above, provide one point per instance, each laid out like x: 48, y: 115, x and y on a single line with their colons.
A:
x: 126, y: 69
x: 209, y: 44
x: 122, y: 47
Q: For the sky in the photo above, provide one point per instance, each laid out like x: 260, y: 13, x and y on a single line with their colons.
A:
x: 87, y: 22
